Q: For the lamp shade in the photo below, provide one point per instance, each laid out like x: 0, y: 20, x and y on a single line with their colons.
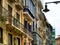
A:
x: 46, y: 9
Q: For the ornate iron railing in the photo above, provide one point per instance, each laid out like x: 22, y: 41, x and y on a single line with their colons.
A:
x: 25, y: 30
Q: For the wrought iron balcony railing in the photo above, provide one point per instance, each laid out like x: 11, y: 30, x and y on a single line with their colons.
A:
x: 19, y: 25
x: 25, y: 30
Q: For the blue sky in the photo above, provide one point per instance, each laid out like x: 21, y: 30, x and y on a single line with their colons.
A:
x: 53, y: 16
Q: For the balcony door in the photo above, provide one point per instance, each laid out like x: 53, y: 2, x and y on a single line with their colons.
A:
x: 16, y: 41
x: 9, y: 39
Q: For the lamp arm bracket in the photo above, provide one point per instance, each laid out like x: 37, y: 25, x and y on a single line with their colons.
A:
x: 56, y: 2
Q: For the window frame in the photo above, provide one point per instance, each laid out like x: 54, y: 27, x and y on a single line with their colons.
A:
x: 1, y: 39
x: 17, y: 16
x: 9, y: 39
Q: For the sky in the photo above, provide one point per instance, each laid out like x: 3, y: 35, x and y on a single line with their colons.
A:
x: 53, y: 16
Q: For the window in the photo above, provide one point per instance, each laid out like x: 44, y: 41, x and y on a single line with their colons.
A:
x: 36, y: 26
x: 53, y: 35
x: 10, y: 13
x: 29, y: 27
x: 30, y: 5
x: 9, y: 10
x: 24, y: 43
x: 9, y: 39
x: 34, y: 36
x: 17, y: 16
x: 25, y: 23
x: 1, y: 35
x: 33, y: 25
x: 16, y: 21
x: 25, y: 3
x: 18, y: 41
x: 53, y: 30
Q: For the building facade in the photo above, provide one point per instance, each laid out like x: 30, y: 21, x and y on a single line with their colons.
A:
x: 53, y: 37
x: 15, y: 24
x: 22, y: 22
x: 48, y: 34
x: 57, y: 40
x: 39, y: 26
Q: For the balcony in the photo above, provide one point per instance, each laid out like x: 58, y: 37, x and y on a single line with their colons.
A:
x: 6, y: 18
x: 19, y: 4
x: 13, y: 22
x: 25, y: 30
x: 3, y: 14
x: 30, y: 8
x: 28, y: 12
x: 16, y: 23
x: 21, y: 27
x: 36, y: 31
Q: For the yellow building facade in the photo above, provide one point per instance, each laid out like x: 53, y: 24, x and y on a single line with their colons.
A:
x: 12, y: 27
x: 20, y: 20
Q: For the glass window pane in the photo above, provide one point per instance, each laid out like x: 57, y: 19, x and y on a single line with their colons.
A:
x: 9, y: 39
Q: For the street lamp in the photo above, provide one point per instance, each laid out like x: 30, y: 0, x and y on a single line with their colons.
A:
x: 46, y: 9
